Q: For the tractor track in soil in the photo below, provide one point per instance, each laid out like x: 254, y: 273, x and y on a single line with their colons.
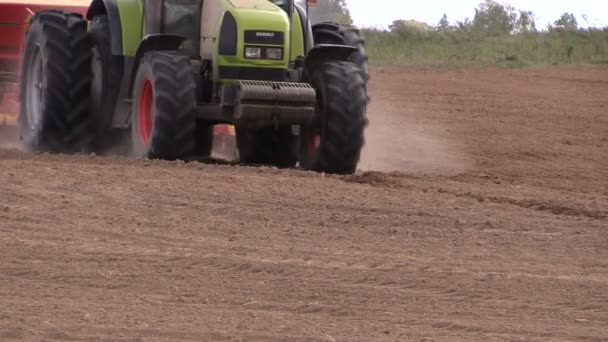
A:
x: 480, y: 214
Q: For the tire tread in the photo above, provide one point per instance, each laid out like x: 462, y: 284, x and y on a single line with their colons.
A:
x: 66, y: 122
x: 345, y: 118
x: 174, y: 93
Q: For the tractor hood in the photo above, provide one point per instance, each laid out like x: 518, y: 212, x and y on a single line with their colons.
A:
x: 263, y: 5
x: 245, y: 34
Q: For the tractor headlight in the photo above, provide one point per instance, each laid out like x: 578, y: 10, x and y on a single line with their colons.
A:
x: 253, y: 52
x: 274, y: 53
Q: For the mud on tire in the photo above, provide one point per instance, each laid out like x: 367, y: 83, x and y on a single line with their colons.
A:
x: 164, y: 108
x: 334, y: 143
x: 56, y: 82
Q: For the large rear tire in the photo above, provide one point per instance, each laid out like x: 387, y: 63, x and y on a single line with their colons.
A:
x: 164, y: 108
x: 56, y: 83
x: 334, y: 143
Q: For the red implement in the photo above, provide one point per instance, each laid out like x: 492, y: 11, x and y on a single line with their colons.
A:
x: 14, y: 17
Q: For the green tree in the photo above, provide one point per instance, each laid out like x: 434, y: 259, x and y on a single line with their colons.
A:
x: 494, y: 19
x: 330, y: 10
x: 567, y: 22
x: 526, y: 22
x: 400, y: 24
x: 444, y: 23
x: 464, y: 26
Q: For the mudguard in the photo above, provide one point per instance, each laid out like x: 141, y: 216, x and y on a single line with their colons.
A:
x: 154, y: 42
x: 125, y: 19
x: 327, y: 52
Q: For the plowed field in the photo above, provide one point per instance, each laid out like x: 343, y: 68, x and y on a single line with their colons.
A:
x: 480, y: 214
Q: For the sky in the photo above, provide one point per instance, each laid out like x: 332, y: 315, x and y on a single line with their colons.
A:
x: 381, y: 13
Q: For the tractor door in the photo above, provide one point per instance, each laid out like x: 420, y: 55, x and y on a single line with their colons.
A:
x: 178, y: 17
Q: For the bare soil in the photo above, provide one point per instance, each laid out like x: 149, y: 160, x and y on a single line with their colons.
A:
x: 480, y: 214
x: 9, y: 137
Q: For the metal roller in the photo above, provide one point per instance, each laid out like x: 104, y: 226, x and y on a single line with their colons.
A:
x: 279, y: 102
x: 275, y: 91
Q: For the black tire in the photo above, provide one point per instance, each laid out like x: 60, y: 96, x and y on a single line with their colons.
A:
x: 164, y: 108
x: 57, y: 57
x: 203, y: 140
x: 107, y: 77
x: 339, y: 132
x: 267, y: 146
x: 332, y: 33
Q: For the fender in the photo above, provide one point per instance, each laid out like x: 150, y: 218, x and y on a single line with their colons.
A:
x: 327, y: 52
x: 306, y: 29
x: 153, y: 42
x: 99, y: 7
x: 125, y: 18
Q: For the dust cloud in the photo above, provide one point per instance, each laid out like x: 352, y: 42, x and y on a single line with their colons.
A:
x: 9, y: 137
x: 395, y: 143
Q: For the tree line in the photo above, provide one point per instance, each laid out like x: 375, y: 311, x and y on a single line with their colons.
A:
x: 491, y: 19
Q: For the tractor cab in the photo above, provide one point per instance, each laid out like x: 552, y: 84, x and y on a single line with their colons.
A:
x: 226, y: 25
x: 177, y: 17
x: 286, y: 5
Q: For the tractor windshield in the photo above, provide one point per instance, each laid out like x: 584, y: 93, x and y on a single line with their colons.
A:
x: 284, y: 4
x: 182, y: 17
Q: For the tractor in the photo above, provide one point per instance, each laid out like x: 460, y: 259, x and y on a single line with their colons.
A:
x: 159, y: 74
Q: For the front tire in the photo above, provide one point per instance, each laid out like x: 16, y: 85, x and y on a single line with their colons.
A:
x: 334, y: 143
x: 56, y: 81
x: 164, y: 108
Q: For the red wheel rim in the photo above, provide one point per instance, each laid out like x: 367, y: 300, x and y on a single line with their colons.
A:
x: 145, y: 112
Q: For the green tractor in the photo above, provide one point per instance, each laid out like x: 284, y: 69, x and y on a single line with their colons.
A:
x: 162, y: 73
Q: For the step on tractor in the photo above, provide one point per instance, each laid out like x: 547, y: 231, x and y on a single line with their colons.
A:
x: 161, y: 73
